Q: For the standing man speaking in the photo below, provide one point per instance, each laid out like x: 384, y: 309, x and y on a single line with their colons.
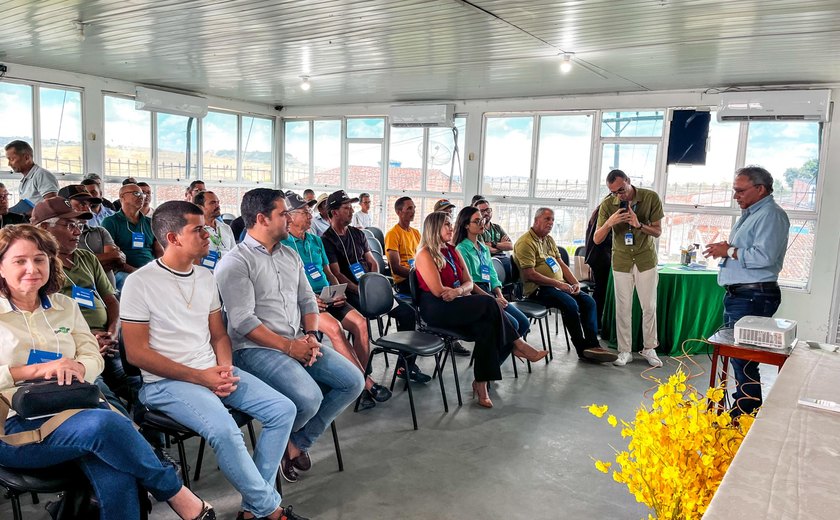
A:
x: 749, y: 269
x: 634, y: 216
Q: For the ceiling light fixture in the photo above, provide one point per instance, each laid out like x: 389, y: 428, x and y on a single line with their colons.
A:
x: 566, y: 64
x: 304, y: 83
x: 80, y: 29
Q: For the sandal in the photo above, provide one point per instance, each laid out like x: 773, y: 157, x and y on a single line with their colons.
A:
x: 207, y: 512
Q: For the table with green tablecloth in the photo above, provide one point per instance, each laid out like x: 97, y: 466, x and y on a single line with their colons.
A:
x: 689, y: 305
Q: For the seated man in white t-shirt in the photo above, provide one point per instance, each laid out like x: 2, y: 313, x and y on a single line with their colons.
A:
x: 173, y: 330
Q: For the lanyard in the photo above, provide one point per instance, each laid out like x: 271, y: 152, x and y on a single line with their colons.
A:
x: 352, y: 241
x: 451, y: 261
x: 92, y: 277
x: 139, y: 221
x: 215, y: 235
x: 295, y: 241
x: 480, y: 254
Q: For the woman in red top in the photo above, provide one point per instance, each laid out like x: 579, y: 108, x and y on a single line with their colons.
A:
x: 446, y: 301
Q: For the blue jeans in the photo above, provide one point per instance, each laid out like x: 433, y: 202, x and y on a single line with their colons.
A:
x: 518, y: 320
x: 579, y: 315
x: 316, y: 410
x: 107, y: 448
x: 199, y: 409
x: 737, y: 304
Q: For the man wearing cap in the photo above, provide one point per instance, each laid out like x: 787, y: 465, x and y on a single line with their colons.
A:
x: 222, y: 239
x: 310, y: 248
x: 193, y: 189
x: 100, y: 211
x: 350, y: 257
x: 37, y: 183
x: 132, y: 232
x: 86, y: 283
x: 445, y: 206
x: 6, y: 218
x: 321, y: 221
x: 97, y: 240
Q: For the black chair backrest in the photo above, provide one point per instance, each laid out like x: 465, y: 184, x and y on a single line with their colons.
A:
x: 580, y: 251
x: 500, y: 270
x: 564, y: 254
x: 369, y: 233
x: 378, y: 234
x: 374, y: 245
x: 413, y: 284
x: 380, y: 261
x: 375, y: 295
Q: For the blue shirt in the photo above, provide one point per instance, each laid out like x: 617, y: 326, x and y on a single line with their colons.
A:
x: 311, y: 252
x: 761, y: 236
x: 104, y: 212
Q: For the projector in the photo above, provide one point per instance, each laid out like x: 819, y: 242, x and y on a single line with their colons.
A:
x: 765, y: 332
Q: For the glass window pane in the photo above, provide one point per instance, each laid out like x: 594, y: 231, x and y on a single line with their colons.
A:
x: 165, y: 192
x: 800, y: 253
x: 569, y: 229
x: 61, y: 130
x: 790, y: 152
x: 296, y: 152
x: 218, y: 136
x: 15, y: 114
x: 515, y: 219
x: 364, y: 167
x: 327, y: 150
x: 405, y: 164
x: 256, y: 145
x: 632, y: 124
x: 507, y: 156
x: 177, y: 147
x: 441, y: 156
x: 709, y: 184
x: 563, y: 156
x: 128, y: 139
x: 682, y: 229
x: 366, y: 128
x: 638, y: 161
x: 229, y: 198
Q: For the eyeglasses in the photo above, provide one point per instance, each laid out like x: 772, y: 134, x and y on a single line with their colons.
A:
x: 486, y: 210
x: 742, y: 190
x: 138, y: 194
x: 72, y: 225
x: 619, y: 191
x: 477, y: 221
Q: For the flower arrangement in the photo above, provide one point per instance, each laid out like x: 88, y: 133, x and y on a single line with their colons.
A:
x: 679, y: 449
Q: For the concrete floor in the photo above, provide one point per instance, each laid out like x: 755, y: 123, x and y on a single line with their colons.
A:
x: 527, y: 458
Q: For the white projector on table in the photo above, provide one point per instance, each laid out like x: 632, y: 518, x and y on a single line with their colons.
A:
x: 765, y: 332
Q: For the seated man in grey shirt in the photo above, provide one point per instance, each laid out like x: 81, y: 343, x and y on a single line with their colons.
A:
x: 268, y: 298
x: 37, y: 183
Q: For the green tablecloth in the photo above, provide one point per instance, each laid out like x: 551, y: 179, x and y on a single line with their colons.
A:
x: 689, y: 306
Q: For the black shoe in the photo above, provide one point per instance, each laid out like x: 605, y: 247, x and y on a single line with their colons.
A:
x: 379, y: 393
x: 287, y: 469
x: 166, y: 459
x: 599, y: 355
x: 288, y: 514
x: 302, y: 462
x: 415, y: 374
x: 367, y: 401
x: 459, y: 350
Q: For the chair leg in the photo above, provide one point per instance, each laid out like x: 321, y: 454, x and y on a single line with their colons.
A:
x: 542, y: 337
x: 252, y: 435
x: 556, y: 322
x: 337, y: 447
x: 455, y: 373
x: 408, y: 386
x: 16, y: 512
x: 440, y: 380
x: 515, y: 371
x: 199, y: 460
x: 182, y: 457
x: 35, y: 499
x: 367, y: 370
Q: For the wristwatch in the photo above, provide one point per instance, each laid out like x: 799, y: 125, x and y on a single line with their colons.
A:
x: 318, y: 335
x: 730, y: 253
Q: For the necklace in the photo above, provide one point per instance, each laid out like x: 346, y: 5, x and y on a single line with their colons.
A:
x: 188, y: 301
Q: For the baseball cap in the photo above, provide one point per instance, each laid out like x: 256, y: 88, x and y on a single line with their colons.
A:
x: 321, y: 198
x: 78, y: 192
x: 442, y: 205
x: 296, y: 201
x: 56, y: 207
x: 337, y: 198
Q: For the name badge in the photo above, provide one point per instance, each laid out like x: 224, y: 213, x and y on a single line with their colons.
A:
x: 357, y: 270
x: 138, y: 240
x: 41, y: 356
x: 552, y: 263
x: 84, y: 297
x: 411, y: 263
x: 484, y: 270
x: 210, y: 260
x: 456, y: 284
x: 628, y: 239
x: 312, y: 272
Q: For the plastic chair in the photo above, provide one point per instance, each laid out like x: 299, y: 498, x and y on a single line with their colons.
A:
x: 534, y: 311
x: 378, y: 234
x: 374, y: 245
x: 51, y: 480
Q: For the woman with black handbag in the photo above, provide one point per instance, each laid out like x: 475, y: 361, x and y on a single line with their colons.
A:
x: 43, y: 336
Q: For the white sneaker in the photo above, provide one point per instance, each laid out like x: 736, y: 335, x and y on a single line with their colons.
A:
x: 623, y: 359
x: 652, y: 359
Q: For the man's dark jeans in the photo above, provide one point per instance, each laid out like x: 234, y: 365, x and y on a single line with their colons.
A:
x: 737, y: 304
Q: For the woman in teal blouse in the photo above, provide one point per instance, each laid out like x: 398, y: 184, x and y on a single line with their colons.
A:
x: 477, y: 258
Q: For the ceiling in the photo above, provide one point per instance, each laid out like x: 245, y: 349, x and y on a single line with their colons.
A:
x: 361, y: 51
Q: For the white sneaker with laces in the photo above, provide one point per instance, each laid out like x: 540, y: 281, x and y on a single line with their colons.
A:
x: 652, y: 359
x: 623, y: 359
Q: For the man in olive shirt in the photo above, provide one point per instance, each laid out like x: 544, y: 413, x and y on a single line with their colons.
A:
x: 549, y: 281
x: 634, y: 217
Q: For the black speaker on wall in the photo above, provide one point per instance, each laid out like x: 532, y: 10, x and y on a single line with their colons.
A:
x: 688, y: 135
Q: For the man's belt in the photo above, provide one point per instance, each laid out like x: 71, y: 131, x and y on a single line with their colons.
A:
x: 760, y: 286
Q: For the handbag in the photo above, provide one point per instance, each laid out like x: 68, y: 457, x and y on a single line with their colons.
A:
x: 42, y: 397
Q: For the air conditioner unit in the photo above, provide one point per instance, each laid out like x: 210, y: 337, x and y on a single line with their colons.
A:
x: 170, y: 102
x: 422, y: 116
x: 775, y: 105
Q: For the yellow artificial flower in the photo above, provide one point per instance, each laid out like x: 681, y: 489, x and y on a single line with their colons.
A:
x: 603, y: 467
x: 598, y: 411
x: 612, y: 420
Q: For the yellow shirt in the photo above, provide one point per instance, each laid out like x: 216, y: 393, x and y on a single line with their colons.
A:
x: 405, y: 243
x: 56, y: 326
x: 530, y: 252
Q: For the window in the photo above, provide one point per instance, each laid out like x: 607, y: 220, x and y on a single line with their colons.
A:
x: 327, y: 152
x: 366, y: 128
x: 638, y: 161
x: 61, y: 130
x: 296, y: 153
x: 563, y: 156
x: 507, y: 156
x: 255, y: 143
x: 364, y: 167
x: 424, y: 159
x: 16, y: 113
x: 444, y: 169
x: 128, y: 139
x: 177, y: 147
x: 219, y: 146
x: 405, y: 164
x: 631, y: 123
x: 679, y: 229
